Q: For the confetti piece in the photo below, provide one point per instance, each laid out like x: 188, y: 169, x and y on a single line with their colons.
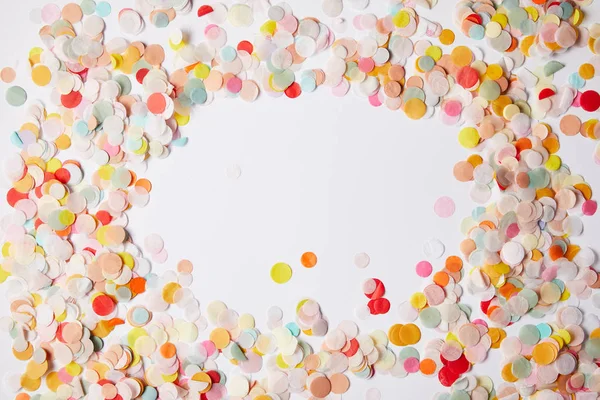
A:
x: 424, y: 269
x: 362, y: 260
x: 16, y: 96
x: 552, y: 67
x: 7, y: 75
x: 281, y: 273
x: 308, y: 259
x: 444, y: 207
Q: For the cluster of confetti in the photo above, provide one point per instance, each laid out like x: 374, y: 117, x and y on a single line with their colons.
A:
x: 542, y: 360
x: 74, y: 276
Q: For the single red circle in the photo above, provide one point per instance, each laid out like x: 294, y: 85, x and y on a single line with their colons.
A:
x: 156, y: 103
x: 293, y: 90
x: 382, y: 305
x: 104, y: 217
x: 103, y: 305
x: 71, y: 100
x: 590, y: 100
x: 467, y: 77
x: 62, y: 175
x: 246, y: 46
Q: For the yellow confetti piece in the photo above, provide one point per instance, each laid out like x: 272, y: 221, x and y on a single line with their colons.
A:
x: 468, y: 137
x: 281, y: 273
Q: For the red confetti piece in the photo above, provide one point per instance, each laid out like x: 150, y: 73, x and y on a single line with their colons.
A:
x: 590, y: 100
x: 93, y: 251
x: 545, y: 93
x: 59, y: 330
x: 141, y: 74
x: 71, y: 100
x: 354, y: 346
x: 104, y: 217
x: 103, y: 305
x: 214, y: 376
x: 156, y: 103
x: 447, y: 377
x: 246, y: 46
x: 13, y: 196
x: 379, y: 290
x: 459, y: 366
x: 293, y: 91
x: 485, y: 305
x: 62, y: 175
x: 467, y: 77
x: 381, y: 306
x: 205, y: 9
x: 475, y: 18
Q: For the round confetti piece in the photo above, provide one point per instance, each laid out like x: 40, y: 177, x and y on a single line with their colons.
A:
x: 446, y: 37
x: 433, y: 248
x: 463, y: 171
x: 590, y: 100
x: 320, y: 387
x: 410, y: 334
x: 185, y: 266
x: 444, y: 207
x: 234, y: 171
x: 103, y: 9
x: 154, y: 54
x: 339, y: 383
x: 293, y: 91
x: 468, y: 137
x: 281, y: 273
x: 71, y: 100
x: 41, y: 75
x: 7, y: 75
x: 156, y: 103
x: 461, y: 56
x: 103, y: 305
x: 415, y: 108
x: 587, y: 71
x: 362, y: 260
x: 16, y: 96
x: 308, y: 259
x: 454, y: 264
x: 424, y: 269
x: 373, y: 394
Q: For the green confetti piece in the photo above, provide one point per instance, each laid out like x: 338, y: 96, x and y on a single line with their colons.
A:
x: 592, y: 347
x: 490, y: 90
x: 430, y: 317
x: 237, y: 352
x: 529, y: 334
x: 409, y: 352
x: 16, y: 96
x: 460, y: 395
x: 552, y: 67
x: 88, y: 7
x: 521, y: 368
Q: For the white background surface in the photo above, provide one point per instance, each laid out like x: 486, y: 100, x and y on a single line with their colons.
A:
x: 319, y: 173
